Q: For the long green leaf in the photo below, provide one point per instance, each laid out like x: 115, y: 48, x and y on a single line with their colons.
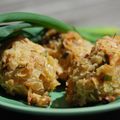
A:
x: 36, y: 19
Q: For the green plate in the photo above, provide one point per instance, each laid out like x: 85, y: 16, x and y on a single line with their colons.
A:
x: 57, y: 107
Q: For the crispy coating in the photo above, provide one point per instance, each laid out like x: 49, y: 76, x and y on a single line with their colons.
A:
x: 66, y: 47
x: 27, y: 69
x: 96, y: 77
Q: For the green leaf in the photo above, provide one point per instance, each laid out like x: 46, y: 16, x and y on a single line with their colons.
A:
x: 8, y: 29
x: 94, y: 33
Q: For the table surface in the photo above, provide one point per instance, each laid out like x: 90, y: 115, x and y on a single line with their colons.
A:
x: 76, y: 12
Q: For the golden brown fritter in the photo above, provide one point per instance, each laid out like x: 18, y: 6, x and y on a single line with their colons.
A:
x: 96, y: 77
x: 66, y: 47
x: 27, y: 69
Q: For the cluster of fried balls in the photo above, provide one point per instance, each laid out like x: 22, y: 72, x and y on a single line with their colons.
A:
x: 91, y: 72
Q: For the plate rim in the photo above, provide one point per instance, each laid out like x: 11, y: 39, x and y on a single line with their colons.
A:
x: 60, y: 111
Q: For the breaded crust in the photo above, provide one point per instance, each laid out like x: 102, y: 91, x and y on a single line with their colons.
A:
x: 26, y: 69
x: 96, y: 77
x: 66, y: 47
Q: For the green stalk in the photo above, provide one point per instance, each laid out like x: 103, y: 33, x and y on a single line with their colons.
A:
x: 99, y: 30
x: 94, y: 33
x: 36, y: 19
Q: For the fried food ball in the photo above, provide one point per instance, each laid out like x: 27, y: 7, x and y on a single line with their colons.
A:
x: 96, y: 77
x: 66, y: 47
x: 27, y: 69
